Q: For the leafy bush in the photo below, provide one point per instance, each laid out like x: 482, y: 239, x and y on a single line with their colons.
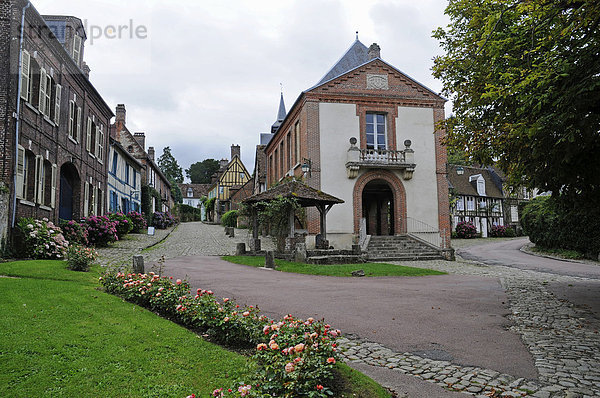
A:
x: 122, y: 223
x: 101, y: 231
x: 162, y: 220
x: 229, y: 219
x: 138, y: 221
x: 189, y: 213
x: 558, y: 223
x: 293, y: 357
x: 41, y: 239
x: 79, y: 258
x: 466, y: 230
x: 75, y: 232
x: 501, y: 231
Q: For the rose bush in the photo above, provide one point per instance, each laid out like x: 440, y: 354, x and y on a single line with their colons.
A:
x: 293, y: 357
x: 79, y: 258
x: 162, y: 220
x: 41, y: 239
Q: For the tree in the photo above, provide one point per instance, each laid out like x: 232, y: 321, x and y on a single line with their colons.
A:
x: 176, y: 191
x: 524, y: 78
x: 201, y: 172
x: 169, y: 166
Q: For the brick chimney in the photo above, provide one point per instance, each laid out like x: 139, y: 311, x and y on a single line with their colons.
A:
x: 141, y: 139
x: 120, y: 113
x: 374, y: 51
x: 235, y: 150
x: 151, y: 153
x: 86, y: 70
x: 223, y: 163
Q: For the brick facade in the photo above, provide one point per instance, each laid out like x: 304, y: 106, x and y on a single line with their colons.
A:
x: 51, y: 148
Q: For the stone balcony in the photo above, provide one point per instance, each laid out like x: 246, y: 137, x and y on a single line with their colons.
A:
x: 358, y: 158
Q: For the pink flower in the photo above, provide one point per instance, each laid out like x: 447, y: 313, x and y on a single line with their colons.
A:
x: 331, y: 360
x: 178, y: 281
x: 261, y: 346
x: 245, y: 313
x: 289, y: 367
x: 299, y: 347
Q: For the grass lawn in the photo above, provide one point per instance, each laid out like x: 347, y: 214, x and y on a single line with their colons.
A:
x: 61, y: 336
x: 371, y: 269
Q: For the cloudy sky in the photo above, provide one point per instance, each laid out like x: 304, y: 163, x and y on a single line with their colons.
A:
x: 199, y: 76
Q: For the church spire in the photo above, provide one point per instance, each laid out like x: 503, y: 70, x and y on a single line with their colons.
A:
x: 280, y: 115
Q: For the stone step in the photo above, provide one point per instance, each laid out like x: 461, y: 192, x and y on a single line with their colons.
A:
x: 336, y: 259
x: 406, y: 258
x: 399, y: 248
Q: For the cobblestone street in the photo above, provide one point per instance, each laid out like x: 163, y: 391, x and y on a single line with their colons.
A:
x: 561, y: 336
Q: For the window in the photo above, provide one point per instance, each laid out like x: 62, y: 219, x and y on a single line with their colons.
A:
x: 90, y: 142
x: 100, y: 142
x: 470, y: 203
x: 190, y: 192
x: 242, y: 175
x: 21, y: 173
x: 297, y: 137
x: 45, y: 93
x: 221, y: 190
x: 482, y: 203
x: 127, y: 173
x: 289, y: 150
x: 25, y: 77
x: 72, y: 116
x: 375, y: 131
x: 112, y: 206
x: 57, y: 97
x: 114, y: 162
x: 514, y: 214
x: 78, y: 122
x: 40, y: 187
x: 86, y: 199
x: 76, y: 49
x: 460, y: 204
x: 134, y: 178
x: 281, y: 157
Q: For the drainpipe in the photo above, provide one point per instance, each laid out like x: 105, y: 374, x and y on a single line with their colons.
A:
x: 18, y: 114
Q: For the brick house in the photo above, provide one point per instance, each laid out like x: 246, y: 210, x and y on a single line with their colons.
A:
x: 152, y: 176
x: 366, y: 133
x: 54, y: 124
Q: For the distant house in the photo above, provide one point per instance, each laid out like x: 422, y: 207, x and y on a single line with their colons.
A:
x: 232, y: 173
x: 477, y: 197
x: 192, y: 195
x: 152, y: 176
x: 124, y: 179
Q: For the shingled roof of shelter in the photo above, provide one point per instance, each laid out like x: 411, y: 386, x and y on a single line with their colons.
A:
x: 305, y: 195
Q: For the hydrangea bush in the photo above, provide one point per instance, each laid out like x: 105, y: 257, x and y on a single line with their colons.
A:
x: 41, y: 239
x: 75, y: 232
x: 122, y: 223
x: 101, y: 231
x: 162, y: 220
x: 293, y: 357
x: 138, y: 221
x: 466, y: 230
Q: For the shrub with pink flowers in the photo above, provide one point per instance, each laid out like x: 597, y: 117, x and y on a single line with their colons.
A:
x: 41, y: 239
x: 101, y: 231
x: 293, y: 357
x: 75, y: 232
x: 138, y: 221
x: 163, y: 220
x: 466, y: 230
x: 122, y: 223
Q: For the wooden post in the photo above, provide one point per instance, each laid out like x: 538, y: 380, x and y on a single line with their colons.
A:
x: 291, y: 221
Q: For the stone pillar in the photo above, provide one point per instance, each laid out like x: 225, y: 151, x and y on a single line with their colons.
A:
x: 255, y: 245
x: 138, y: 264
x: 240, y: 249
x: 300, y: 255
x: 269, y: 260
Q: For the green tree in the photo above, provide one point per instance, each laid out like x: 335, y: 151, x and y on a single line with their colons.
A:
x: 201, y: 172
x: 524, y: 78
x: 169, y: 166
x: 176, y: 191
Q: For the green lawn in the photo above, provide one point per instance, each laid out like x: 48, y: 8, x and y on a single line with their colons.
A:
x: 61, y: 336
x: 371, y: 269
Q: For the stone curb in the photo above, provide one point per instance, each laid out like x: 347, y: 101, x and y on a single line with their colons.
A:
x: 527, y: 249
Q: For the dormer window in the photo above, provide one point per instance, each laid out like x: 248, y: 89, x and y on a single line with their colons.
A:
x: 190, y: 192
x: 76, y: 49
x: 479, y: 183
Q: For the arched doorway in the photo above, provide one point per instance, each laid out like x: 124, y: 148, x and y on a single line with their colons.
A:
x: 380, y: 200
x: 378, y: 208
x: 70, y: 188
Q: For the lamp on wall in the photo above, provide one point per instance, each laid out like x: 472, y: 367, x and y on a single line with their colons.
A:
x: 306, y: 167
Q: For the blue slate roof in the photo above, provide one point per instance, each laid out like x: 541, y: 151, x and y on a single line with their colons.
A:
x: 355, y: 56
x: 58, y: 28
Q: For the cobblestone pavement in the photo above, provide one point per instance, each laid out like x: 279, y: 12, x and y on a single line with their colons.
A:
x: 562, y: 338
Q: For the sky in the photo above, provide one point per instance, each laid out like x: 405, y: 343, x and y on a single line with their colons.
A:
x: 201, y: 75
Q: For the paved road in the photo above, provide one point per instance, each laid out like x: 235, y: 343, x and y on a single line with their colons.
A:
x: 525, y: 319
x: 507, y: 253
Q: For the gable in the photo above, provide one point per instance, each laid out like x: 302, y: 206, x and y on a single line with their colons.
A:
x: 376, y: 78
x: 231, y: 175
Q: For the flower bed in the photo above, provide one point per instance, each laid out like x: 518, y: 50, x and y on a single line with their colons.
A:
x: 101, y: 231
x: 122, y: 223
x: 466, y: 230
x: 138, y: 220
x: 293, y: 357
x: 75, y: 232
x: 41, y: 239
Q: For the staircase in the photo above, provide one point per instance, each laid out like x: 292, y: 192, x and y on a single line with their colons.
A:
x: 399, y: 248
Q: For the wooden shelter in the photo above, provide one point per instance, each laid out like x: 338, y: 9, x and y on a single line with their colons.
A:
x: 306, y: 197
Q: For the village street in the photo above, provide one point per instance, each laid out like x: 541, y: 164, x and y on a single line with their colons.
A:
x: 480, y: 327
